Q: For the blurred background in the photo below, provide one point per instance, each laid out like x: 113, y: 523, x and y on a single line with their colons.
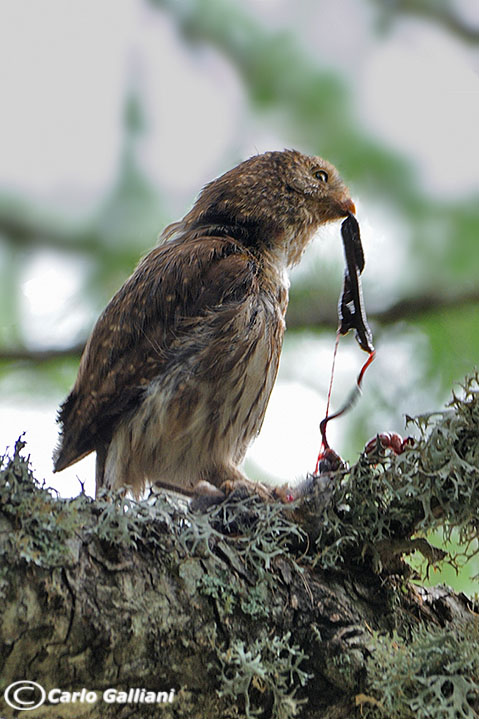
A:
x: 113, y: 116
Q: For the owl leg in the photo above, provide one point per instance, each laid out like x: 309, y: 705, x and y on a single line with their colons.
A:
x: 101, y: 453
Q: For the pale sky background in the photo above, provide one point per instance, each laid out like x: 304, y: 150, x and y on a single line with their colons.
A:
x: 64, y: 72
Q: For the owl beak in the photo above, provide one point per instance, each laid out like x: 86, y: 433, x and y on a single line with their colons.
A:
x: 349, y: 207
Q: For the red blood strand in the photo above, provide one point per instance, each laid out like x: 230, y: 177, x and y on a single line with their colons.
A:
x: 349, y: 403
x: 371, y: 357
x: 324, y: 444
x: 336, y: 344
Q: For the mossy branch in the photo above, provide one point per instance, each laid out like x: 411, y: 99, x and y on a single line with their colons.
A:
x: 384, y: 505
x: 250, y: 609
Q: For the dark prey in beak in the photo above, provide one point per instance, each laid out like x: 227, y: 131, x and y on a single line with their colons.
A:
x: 351, y: 309
x: 351, y: 316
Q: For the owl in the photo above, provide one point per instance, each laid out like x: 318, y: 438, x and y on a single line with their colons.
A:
x: 175, y: 378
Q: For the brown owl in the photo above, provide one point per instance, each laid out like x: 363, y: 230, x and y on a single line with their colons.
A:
x: 176, y: 376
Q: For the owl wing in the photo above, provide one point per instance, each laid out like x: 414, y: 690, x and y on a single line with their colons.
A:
x: 145, y: 327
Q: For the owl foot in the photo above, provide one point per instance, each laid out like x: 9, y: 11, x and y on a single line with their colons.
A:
x: 206, y: 495
x: 242, y: 488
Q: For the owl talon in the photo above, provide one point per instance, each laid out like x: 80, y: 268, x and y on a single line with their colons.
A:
x: 243, y: 488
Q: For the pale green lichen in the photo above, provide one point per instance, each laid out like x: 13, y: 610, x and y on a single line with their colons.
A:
x: 45, y: 529
x: 230, y: 593
x: 432, y: 675
x: 383, y: 497
x: 268, y: 668
x: 219, y: 587
x: 38, y: 530
x: 257, y: 531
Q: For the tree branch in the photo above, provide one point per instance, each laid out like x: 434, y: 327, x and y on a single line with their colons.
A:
x: 436, y: 10
x: 23, y: 354
x: 24, y: 231
x: 300, y: 316
x: 311, y: 314
x: 293, y: 610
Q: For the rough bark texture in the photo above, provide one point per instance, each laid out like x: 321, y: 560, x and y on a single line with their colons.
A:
x: 249, y: 609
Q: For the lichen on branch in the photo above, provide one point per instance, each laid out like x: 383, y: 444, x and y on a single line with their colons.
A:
x: 385, y: 504
x: 252, y: 608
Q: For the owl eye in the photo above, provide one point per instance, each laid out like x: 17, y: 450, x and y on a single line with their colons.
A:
x: 321, y: 175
